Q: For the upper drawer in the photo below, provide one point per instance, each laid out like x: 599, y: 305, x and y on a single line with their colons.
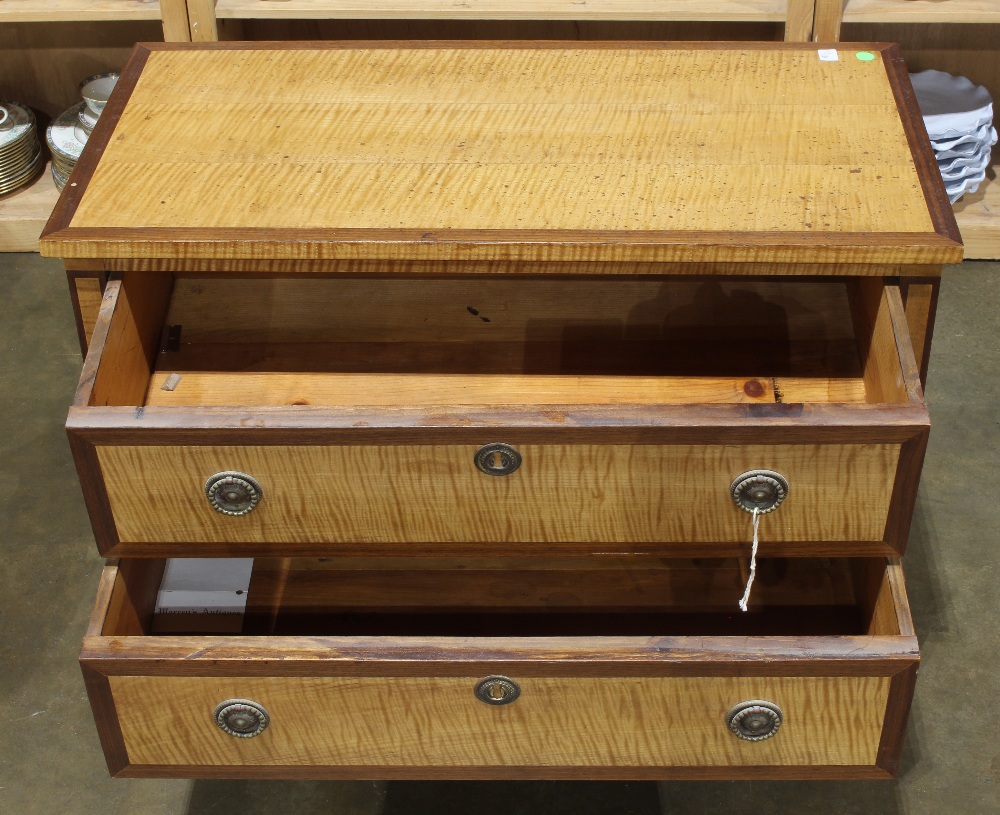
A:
x: 355, y: 410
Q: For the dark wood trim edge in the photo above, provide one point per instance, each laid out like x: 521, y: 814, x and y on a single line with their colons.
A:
x: 523, y: 549
x: 940, y: 209
x: 95, y: 495
x: 904, y: 491
x: 102, y: 704
x: 290, y: 656
x: 904, y: 346
x: 496, y: 773
x: 897, y: 714
x: 74, y: 298
x: 900, y: 599
x: 576, y: 45
x: 475, y: 424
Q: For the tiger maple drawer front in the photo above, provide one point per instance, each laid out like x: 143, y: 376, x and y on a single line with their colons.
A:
x: 368, y: 705
x: 331, y: 416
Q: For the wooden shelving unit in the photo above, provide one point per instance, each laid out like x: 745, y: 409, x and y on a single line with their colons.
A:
x: 209, y: 18
x: 677, y: 10
x: 47, y: 11
x: 23, y: 214
x: 959, y: 36
x: 46, y: 48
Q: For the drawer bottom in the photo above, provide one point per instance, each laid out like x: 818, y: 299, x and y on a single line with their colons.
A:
x: 833, y: 681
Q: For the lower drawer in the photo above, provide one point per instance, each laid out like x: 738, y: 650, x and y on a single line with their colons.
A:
x: 498, y: 669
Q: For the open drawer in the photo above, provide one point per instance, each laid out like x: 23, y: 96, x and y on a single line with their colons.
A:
x: 512, y: 669
x: 313, y: 416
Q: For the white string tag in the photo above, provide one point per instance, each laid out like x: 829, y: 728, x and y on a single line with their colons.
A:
x: 753, y: 560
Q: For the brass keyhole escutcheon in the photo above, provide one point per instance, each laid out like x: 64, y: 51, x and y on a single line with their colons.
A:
x: 241, y: 718
x: 761, y: 490
x: 754, y: 720
x: 497, y: 690
x: 497, y: 459
x: 233, y: 493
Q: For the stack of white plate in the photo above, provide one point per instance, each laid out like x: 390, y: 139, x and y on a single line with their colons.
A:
x: 69, y: 132
x: 958, y: 115
x: 20, y: 152
x: 66, y: 138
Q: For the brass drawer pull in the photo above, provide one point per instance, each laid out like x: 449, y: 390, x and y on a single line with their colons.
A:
x: 241, y: 718
x: 498, y: 459
x: 755, y: 720
x: 497, y: 690
x: 763, y: 490
x: 233, y: 493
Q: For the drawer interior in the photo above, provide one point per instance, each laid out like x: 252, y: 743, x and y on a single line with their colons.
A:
x: 636, y: 597
x: 256, y: 341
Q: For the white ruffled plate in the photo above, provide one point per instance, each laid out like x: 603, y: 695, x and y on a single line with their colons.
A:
x: 951, y: 105
x: 960, y: 188
x: 966, y: 142
x: 950, y: 165
x: 959, y: 173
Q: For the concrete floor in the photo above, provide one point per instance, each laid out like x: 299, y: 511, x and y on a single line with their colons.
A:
x: 50, y: 759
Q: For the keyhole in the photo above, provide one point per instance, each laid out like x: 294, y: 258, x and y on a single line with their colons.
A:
x: 497, y: 459
x: 497, y: 692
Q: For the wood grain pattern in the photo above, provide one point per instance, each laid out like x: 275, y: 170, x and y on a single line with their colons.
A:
x: 133, y: 599
x: 884, y: 621
x: 237, y: 389
x: 42, y: 11
x: 827, y: 19
x: 799, y: 20
x: 42, y: 65
x: 429, y: 165
x: 488, y: 306
x: 429, y: 269
x: 24, y: 212
x: 439, y: 722
x: 88, y: 295
x: 735, y: 10
x: 920, y: 11
x: 921, y: 307
x: 597, y: 493
x: 174, y: 16
x: 884, y: 381
x: 302, y: 585
x: 137, y: 306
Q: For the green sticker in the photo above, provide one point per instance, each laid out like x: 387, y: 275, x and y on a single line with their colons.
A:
x: 865, y: 56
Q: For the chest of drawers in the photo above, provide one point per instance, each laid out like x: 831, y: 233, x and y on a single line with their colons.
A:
x: 472, y: 346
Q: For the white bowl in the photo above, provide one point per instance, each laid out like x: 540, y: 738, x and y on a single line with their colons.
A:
x: 96, y: 90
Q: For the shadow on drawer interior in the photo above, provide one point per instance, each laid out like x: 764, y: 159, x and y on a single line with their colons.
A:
x: 504, y: 598
x: 329, y: 341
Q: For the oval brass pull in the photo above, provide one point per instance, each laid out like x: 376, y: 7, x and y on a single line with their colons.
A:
x: 754, y: 720
x: 241, y: 718
x: 233, y: 493
x: 497, y: 690
x: 763, y: 490
x: 498, y: 459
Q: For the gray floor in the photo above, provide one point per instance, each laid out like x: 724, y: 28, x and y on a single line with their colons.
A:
x: 50, y: 760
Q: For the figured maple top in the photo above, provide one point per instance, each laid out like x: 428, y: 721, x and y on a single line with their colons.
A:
x: 499, y: 151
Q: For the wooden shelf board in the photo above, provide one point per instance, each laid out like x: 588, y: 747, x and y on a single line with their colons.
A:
x: 40, y: 11
x: 978, y: 218
x: 23, y: 214
x: 922, y: 11
x: 679, y: 10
